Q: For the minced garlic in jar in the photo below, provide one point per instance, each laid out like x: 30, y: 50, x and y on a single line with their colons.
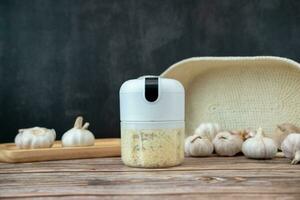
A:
x: 152, y: 148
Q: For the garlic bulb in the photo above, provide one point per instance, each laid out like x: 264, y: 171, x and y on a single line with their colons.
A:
x: 291, y: 147
x: 36, y: 137
x: 282, y: 131
x: 197, y: 146
x: 259, y: 147
x: 227, y: 143
x: 78, y: 135
x: 208, y: 130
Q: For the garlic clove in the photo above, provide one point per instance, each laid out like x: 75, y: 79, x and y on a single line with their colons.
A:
x: 291, y: 147
x: 78, y: 138
x: 282, y: 131
x: 197, y: 146
x: 36, y: 137
x: 227, y: 143
x: 208, y: 130
x: 78, y: 135
x: 259, y: 147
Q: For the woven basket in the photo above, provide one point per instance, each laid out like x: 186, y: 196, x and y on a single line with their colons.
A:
x: 239, y: 92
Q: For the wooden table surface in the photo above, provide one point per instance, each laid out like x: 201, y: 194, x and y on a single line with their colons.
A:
x: 108, y: 178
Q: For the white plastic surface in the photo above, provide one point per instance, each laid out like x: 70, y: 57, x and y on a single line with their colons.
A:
x: 168, y: 107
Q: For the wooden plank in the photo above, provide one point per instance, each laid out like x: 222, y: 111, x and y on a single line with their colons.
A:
x: 102, y: 148
x: 201, y: 196
x: 147, y: 183
x: 108, y: 178
x: 115, y: 165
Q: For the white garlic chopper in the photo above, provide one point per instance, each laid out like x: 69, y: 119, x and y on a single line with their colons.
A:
x: 152, y: 122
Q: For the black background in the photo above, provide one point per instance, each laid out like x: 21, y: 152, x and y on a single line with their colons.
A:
x: 60, y: 59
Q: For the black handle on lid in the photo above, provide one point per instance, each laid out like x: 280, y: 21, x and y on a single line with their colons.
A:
x: 151, y: 89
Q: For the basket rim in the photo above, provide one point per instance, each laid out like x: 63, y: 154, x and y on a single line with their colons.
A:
x: 230, y: 58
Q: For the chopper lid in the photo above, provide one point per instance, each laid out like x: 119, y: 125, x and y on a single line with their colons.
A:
x: 152, y: 98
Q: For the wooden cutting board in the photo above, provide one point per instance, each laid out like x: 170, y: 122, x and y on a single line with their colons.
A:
x: 103, y: 148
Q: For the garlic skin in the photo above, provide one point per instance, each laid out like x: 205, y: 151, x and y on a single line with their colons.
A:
x: 208, y: 130
x: 78, y: 136
x: 36, y: 137
x: 197, y: 146
x: 245, y: 133
x: 282, y: 131
x: 227, y: 143
x: 291, y: 147
x: 259, y: 147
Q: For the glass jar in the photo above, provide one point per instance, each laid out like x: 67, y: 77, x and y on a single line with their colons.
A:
x: 152, y: 144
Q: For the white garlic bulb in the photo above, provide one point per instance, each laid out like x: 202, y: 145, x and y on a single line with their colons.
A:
x: 291, y: 147
x: 78, y: 135
x: 227, y: 143
x: 282, y: 131
x: 208, y: 130
x: 36, y: 137
x: 259, y: 147
x: 197, y: 146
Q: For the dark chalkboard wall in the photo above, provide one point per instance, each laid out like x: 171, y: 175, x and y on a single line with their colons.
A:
x: 60, y: 59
